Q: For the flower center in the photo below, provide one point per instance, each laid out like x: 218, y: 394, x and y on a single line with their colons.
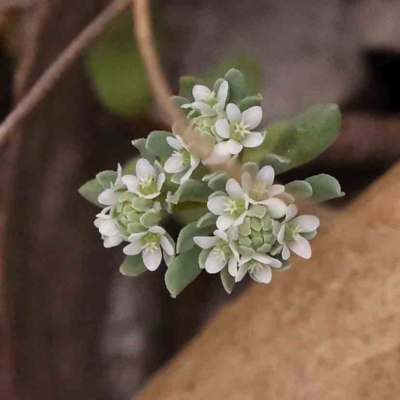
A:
x: 223, y: 247
x: 151, y: 241
x: 290, y: 232
x: 185, y: 158
x: 235, y: 207
x: 148, y: 185
x: 239, y: 131
x: 255, y: 265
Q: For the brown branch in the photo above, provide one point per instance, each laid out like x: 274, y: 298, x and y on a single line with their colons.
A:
x: 162, y: 91
x: 46, y: 82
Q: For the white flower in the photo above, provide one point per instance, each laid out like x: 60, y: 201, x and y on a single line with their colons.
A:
x: 110, y: 232
x: 207, y: 102
x: 223, y: 251
x: 236, y: 130
x: 295, y: 231
x: 150, y: 244
x: 148, y: 181
x: 181, y: 163
x: 259, y: 189
x: 108, y: 197
x: 232, y: 209
x: 258, y: 266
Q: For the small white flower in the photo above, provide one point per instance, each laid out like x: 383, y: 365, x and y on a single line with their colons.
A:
x: 148, y: 181
x: 295, y: 231
x: 223, y: 251
x: 259, y: 189
x: 232, y: 209
x: 258, y: 266
x: 207, y: 102
x: 108, y: 197
x: 236, y: 131
x: 150, y: 244
x: 110, y: 232
x: 181, y: 163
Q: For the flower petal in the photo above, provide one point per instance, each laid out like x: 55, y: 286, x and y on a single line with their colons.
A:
x: 262, y: 275
x: 112, y: 241
x: 174, y: 164
x: 217, y: 204
x: 160, y: 181
x: 108, y: 228
x: 233, y: 266
x: 232, y: 146
x: 276, y: 207
x: 152, y: 259
x: 108, y: 197
x: 204, y: 108
x: 247, y: 182
x: 265, y: 177
x: 205, y: 242
x: 234, y: 189
x: 222, y: 94
x: 291, y: 212
x: 144, y: 169
x: 240, y: 219
x: 215, y: 262
x: 167, y: 246
x: 301, y: 247
x: 276, y: 189
x: 224, y: 222
x: 252, y: 117
x: 307, y: 223
x: 133, y: 248
x: 200, y: 92
x: 241, y: 272
x: 174, y: 143
x: 253, y: 139
x: 157, y: 229
x: 131, y: 182
x: 233, y: 112
x: 285, y: 253
x: 223, y: 128
x: 221, y: 234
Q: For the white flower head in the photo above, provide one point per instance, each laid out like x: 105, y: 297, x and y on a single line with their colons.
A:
x: 109, y: 230
x: 259, y: 189
x: 295, y: 231
x: 220, y: 251
x: 150, y: 244
x: 258, y: 266
x: 109, y: 197
x: 237, y: 130
x: 231, y: 208
x: 207, y: 102
x: 181, y: 163
x: 148, y: 180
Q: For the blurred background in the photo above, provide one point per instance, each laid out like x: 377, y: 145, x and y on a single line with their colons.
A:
x: 70, y: 324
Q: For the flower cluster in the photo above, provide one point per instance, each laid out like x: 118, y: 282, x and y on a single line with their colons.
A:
x: 249, y: 224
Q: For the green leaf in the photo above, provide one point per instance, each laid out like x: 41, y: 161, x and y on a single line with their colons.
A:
x: 190, y: 190
x: 140, y: 144
x: 300, y: 139
x: 91, y: 191
x: 186, y: 84
x: 106, y: 178
x: 186, y: 235
x: 207, y: 219
x: 325, y: 187
x: 132, y: 266
x: 218, y: 182
x: 129, y: 167
x: 250, y: 101
x: 249, y: 66
x: 157, y: 144
x: 117, y: 72
x: 182, y: 271
x: 150, y: 218
x: 228, y: 281
x: 278, y: 163
x: 237, y: 85
x: 299, y: 189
